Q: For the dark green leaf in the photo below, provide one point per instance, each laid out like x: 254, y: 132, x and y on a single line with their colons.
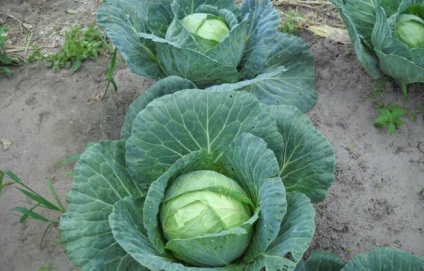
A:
x: 101, y: 179
x: 186, y: 121
x: 307, y: 163
x: 162, y: 87
x: 321, y: 261
x: 123, y: 21
x: 387, y: 259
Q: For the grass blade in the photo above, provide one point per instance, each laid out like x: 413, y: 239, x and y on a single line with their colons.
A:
x: 1, y: 180
x: 109, y: 74
x: 70, y: 159
x: 33, y: 214
x: 45, y: 232
x: 55, y: 195
x: 18, y: 180
x: 24, y: 218
x: 40, y: 199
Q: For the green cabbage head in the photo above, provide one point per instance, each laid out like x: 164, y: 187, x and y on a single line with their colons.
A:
x: 200, y: 203
x: 202, y: 180
x: 212, y: 43
x: 207, y: 29
x: 410, y: 30
x: 388, y: 37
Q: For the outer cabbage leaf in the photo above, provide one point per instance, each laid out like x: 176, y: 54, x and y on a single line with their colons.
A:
x: 182, y: 8
x: 256, y: 167
x: 190, y: 120
x: 264, y: 21
x: 230, y: 50
x: 162, y: 87
x: 396, y: 59
x: 191, y: 64
x: 100, y: 180
x: 387, y: 259
x: 307, y: 163
x: 294, y: 237
x: 157, y: 15
x: 285, y: 67
x: 359, y: 18
x: 122, y: 23
x: 321, y: 261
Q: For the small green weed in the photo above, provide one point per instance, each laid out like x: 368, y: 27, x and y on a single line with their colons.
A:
x: 390, y: 117
x: 39, y: 201
x: 351, y: 150
x: 416, y: 111
x: 80, y: 44
x: 109, y: 74
x: 5, y: 59
x: 47, y: 267
x: 290, y: 23
x: 69, y: 161
x: 379, y: 91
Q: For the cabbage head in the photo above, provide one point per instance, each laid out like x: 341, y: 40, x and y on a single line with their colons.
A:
x: 388, y: 37
x: 199, y: 180
x: 212, y: 43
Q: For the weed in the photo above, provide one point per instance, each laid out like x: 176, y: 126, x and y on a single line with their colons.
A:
x: 290, y: 24
x: 69, y: 161
x: 351, y: 150
x: 4, y: 57
x: 390, y: 117
x: 109, y: 74
x: 40, y: 201
x: 47, y: 267
x: 417, y: 111
x: 379, y: 91
x: 421, y: 192
x: 80, y: 44
x: 348, y: 50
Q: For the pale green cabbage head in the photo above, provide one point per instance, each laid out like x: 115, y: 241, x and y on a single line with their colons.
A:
x: 206, y: 26
x: 410, y: 30
x: 200, y: 203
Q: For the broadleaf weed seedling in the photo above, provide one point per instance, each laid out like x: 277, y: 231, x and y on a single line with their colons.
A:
x: 390, y: 117
x: 290, y: 23
x: 5, y: 59
x: 80, y: 44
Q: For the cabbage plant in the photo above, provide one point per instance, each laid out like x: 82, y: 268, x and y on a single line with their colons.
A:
x: 199, y: 180
x: 380, y: 258
x: 212, y: 43
x: 388, y: 37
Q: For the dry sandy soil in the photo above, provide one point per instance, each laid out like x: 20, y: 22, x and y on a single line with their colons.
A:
x: 377, y: 198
